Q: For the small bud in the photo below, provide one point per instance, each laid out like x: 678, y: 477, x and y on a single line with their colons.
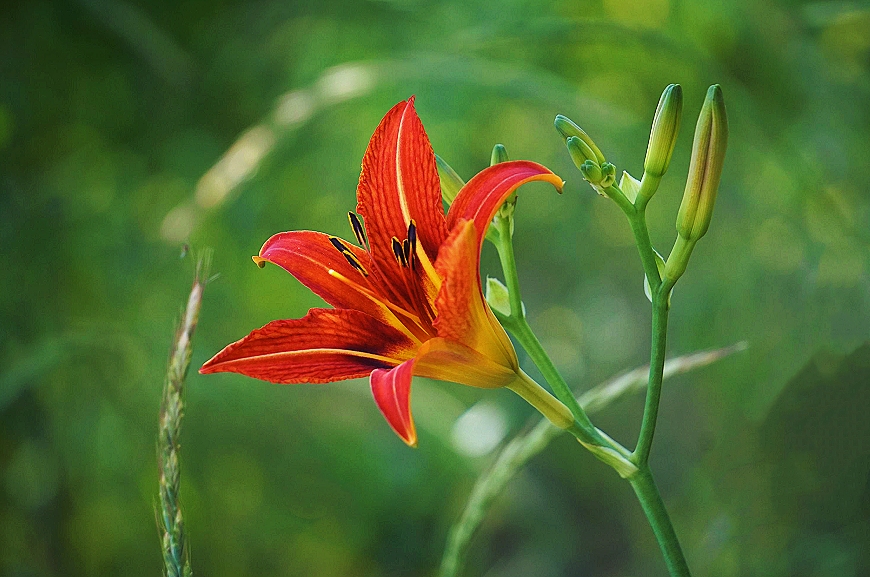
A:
x: 608, y: 175
x: 665, y: 126
x: 451, y: 183
x: 591, y: 171
x: 580, y: 151
x: 499, y: 154
x: 705, y: 168
x: 568, y: 129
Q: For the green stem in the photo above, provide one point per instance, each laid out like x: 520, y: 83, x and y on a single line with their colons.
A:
x: 505, y: 247
x: 654, y: 387
x: 651, y: 501
x: 648, y: 186
x: 637, y: 220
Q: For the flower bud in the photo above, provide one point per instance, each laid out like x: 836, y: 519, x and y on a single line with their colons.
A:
x: 663, y: 136
x: 451, y: 183
x: 499, y: 154
x: 591, y: 171
x: 705, y: 168
x: 608, y: 175
x: 568, y: 129
x: 579, y: 151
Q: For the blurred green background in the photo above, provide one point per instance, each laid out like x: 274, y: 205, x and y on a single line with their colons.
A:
x: 128, y: 129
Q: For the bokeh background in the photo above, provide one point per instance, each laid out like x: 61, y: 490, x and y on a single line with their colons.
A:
x: 131, y: 128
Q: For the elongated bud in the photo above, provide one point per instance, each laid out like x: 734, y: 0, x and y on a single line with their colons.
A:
x: 567, y: 129
x: 665, y: 126
x: 499, y: 154
x: 451, y: 183
x: 580, y: 151
x: 705, y: 168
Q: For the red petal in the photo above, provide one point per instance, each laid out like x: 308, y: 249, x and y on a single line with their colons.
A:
x: 463, y: 314
x: 392, y: 391
x: 483, y: 195
x: 324, y: 346
x: 399, y: 183
x: 316, y: 263
x: 309, y: 256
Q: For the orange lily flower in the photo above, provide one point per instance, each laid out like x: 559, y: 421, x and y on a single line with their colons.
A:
x: 407, y: 298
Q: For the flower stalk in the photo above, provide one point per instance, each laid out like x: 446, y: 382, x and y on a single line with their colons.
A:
x: 632, y: 196
x: 516, y: 322
x: 522, y: 448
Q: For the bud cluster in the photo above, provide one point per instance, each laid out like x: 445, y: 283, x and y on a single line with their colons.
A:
x: 632, y: 195
x: 586, y: 155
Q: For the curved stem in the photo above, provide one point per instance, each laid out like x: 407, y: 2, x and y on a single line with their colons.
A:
x: 654, y: 387
x: 651, y: 501
x: 534, y: 394
x: 637, y: 220
x: 505, y: 247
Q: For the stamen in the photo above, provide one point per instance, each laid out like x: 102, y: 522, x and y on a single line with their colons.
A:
x: 399, y: 253
x: 338, y: 244
x: 345, y: 251
x: 412, y: 242
x: 406, y: 250
x: 358, y: 230
x: 354, y: 262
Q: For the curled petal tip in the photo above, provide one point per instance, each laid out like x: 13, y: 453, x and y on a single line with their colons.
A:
x: 259, y: 261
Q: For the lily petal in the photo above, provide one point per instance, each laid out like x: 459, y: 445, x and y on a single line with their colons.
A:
x: 325, y: 345
x: 463, y: 314
x: 392, y: 391
x: 448, y: 360
x: 315, y: 261
x: 399, y: 183
x: 483, y: 195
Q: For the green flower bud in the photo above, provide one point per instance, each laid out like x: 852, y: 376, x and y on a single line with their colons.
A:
x: 705, y: 168
x: 579, y: 151
x: 665, y: 126
x: 591, y: 171
x: 608, y: 175
x: 499, y: 154
x: 451, y: 183
x: 568, y: 129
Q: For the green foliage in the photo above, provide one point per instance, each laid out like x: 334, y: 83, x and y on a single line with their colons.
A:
x: 115, y: 124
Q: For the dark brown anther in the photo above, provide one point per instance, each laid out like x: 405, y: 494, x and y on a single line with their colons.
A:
x: 355, y: 263
x: 338, y: 244
x: 411, y: 250
x: 358, y: 230
x: 399, y: 252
